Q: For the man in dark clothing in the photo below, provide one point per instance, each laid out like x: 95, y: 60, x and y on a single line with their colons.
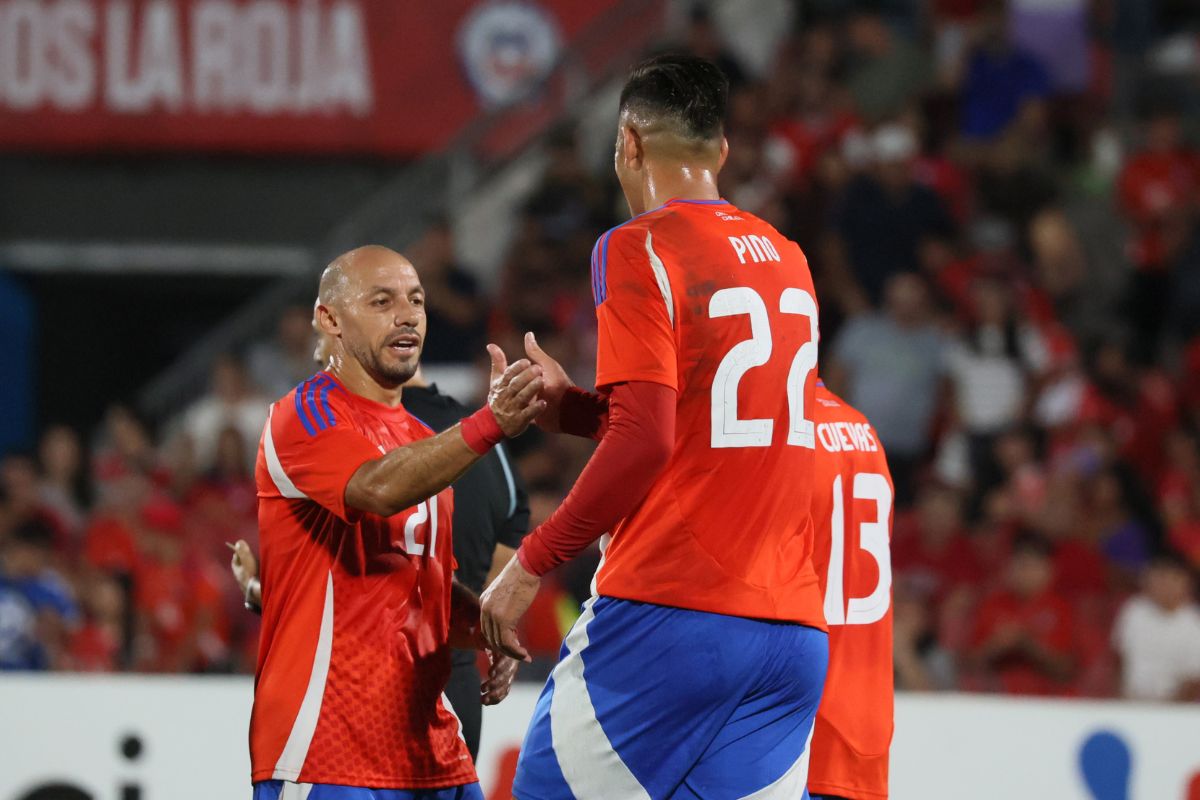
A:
x: 491, y: 516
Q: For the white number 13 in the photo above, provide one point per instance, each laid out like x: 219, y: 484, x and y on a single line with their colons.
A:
x: 873, y: 538
x: 727, y: 429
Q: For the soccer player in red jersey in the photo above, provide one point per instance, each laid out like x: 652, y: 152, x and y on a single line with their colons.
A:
x: 359, y: 606
x: 696, y: 671
x: 852, y: 514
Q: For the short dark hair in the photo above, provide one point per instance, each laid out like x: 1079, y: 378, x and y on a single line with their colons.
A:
x: 690, y: 91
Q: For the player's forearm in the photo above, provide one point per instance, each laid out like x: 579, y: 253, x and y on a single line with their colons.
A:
x: 583, y: 413
x: 636, y: 447
x: 407, y: 475
x: 410, y: 474
x: 500, y: 558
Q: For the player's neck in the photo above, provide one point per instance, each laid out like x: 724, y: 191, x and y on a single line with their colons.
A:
x: 679, y: 181
x: 355, y: 377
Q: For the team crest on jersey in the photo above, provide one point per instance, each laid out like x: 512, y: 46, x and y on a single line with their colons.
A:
x: 507, y: 50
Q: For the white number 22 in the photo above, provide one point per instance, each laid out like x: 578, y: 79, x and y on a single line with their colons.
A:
x: 727, y: 429
x: 873, y: 538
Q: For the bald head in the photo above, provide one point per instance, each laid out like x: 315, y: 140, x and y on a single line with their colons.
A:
x: 372, y: 304
x: 348, y: 270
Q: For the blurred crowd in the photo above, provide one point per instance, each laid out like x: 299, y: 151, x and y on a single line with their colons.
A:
x: 1001, y: 208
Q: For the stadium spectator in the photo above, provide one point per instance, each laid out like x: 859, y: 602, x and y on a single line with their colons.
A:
x: 37, y: 609
x: 1157, y: 191
x: 61, y: 488
x: 887, y: 72
x: 921, y: 662
x: 1024, y: 631
x: 890, y: 365
x: 1157, y: 635
x: 1003, y: 84
x: 284, y: 361
x: 231, y: 402
x: 885, y: 214
x: 456, y: 311
x: 1179, y: 495
x: 124, y: 448
x: 992, y: 366
x: 930, y: 550
x: 101, y: 642
x: 704, y: 40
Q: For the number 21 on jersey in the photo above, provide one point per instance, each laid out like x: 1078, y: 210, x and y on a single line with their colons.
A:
x: 873, y: 539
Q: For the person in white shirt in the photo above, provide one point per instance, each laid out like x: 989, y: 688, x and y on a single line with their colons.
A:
x: 1157, y: 635
x: 232, y: 402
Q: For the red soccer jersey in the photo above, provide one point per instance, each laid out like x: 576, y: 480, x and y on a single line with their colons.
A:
x: 718, y: 305
x: 852, y: 513
x: 356, y: 607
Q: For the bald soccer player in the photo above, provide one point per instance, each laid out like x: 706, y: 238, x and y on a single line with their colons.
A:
x: 491, y: 514
x: 696, y: 670
x: 359, y: 606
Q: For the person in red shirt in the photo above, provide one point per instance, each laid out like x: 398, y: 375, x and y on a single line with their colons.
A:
x: 708, y: 615
x: 852, y: 517
x: 1023, y: 634
x: 1157, y: 189
x: 354, y: 507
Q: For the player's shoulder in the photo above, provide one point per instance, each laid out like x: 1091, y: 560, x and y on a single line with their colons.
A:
x: 317, y: 403
x: 832, y: 407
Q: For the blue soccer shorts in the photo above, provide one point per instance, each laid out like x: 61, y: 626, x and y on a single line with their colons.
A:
x: 285, y: 790
x: 649, y: 702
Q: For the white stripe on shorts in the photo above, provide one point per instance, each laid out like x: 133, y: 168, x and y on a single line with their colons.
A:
x: 790, y: 784
x: 590, y: 765
x: 295, y: 791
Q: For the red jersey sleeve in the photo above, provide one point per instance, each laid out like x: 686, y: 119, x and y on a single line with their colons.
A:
x: 312, y: 450
x: 634, y: 311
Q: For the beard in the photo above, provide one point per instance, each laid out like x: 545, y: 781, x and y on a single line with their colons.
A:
x: 375, y: 364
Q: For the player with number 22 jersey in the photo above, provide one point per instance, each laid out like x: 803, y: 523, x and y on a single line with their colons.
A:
x: 696, y: 670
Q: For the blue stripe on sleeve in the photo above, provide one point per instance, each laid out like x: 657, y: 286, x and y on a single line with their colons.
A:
x: 300, y: 411
x: 328, y: 409
x: 595, y: 273
x: 604, y: 267
x: 310, y: 399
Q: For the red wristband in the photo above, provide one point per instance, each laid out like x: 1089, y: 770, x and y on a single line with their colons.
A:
x: 481, y: 432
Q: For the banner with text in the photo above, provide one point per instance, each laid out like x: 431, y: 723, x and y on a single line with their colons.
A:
x: 383, y: 77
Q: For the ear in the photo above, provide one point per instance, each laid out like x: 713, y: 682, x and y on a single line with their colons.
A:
x: 632, y: 152
x: 326, y: 321
x: 724, y: 154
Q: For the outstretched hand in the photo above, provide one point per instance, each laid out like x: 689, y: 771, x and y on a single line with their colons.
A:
x: 514, y: 392
x: 555, y: 383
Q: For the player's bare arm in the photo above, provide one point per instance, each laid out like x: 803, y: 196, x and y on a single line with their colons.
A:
x: 409, y: 474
